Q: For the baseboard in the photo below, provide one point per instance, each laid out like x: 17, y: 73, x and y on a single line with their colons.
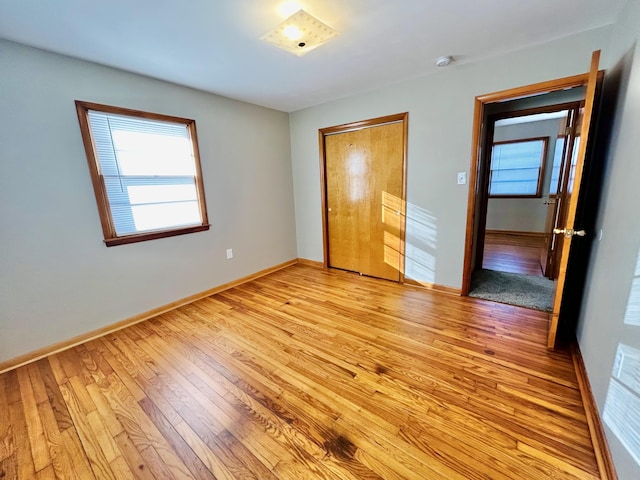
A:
x: 515, y: 232
x: 310, y: 263
x: 433, y: 286
x: 85, y: 337
x: 407, y: 281
x: 596, y: 429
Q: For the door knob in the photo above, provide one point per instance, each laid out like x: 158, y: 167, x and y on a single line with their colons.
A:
x: 548, y: 202
x: 569, y: 232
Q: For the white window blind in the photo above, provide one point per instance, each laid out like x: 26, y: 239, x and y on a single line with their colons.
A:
x: 516, y: 168
x: 148, y: 170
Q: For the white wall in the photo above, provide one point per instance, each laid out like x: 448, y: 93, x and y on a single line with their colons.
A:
x: 57, y: 278
x: 440, y: 110
x: 609, y: 281
x: 524, y: 214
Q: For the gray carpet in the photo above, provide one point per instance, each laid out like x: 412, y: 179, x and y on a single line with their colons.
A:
x: 527, y: 291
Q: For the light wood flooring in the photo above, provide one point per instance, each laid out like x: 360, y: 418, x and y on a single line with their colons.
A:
x: 506, y: 252
x: 304, y: 374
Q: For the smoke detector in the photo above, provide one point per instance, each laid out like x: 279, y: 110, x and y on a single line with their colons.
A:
x: 444, y: 61
x: 299, y: 34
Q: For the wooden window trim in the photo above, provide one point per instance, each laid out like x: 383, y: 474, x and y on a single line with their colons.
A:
x: 541, y: 171
x: 111, y: 238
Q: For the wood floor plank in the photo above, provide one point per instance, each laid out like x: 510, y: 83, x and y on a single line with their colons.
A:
x: 60, y: 460
x: 60, y: 410
x: 88, y: 438
x: 7, y: 447
x: 182, y: 449
x: 134, y: 460
x: 304, y: 374
x: 510, y: 252
x: 47, y: 473
x: 141, y: 430
x: 107, y: 416
x: 209, y: 456
x: 9, y: 467
x: 39, y: 447
x: 23, y: 455
x: 78, y: 460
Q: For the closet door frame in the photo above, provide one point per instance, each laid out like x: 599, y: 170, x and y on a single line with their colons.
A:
x: 373, y: 122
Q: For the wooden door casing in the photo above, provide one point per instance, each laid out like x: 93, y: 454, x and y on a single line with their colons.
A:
x: 363, y: 172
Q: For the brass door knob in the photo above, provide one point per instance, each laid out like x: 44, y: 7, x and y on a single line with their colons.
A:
x: 569, y: 232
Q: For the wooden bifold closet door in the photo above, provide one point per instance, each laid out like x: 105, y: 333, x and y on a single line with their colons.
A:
x: 364, y: 172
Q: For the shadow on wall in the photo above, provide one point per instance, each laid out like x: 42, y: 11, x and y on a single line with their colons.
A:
x: 421, y: 243
x: 622, y: 406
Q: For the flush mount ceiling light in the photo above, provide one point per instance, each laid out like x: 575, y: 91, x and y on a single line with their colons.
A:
x: 299, y: 34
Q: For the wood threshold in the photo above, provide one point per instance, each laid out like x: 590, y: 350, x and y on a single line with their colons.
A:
x: 596, y: 429
x: 35, y: 355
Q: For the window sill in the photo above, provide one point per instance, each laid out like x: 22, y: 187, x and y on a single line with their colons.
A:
x: 143, y: 237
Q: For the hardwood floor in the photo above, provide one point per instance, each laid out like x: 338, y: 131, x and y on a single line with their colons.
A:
x: 305, y: 373
x: 506, y: 252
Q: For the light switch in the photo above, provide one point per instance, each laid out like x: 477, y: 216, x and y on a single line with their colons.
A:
x: 229, y: 253
x: 462, y: 178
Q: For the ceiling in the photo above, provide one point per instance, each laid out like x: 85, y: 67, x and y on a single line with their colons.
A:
x: 214, y: 45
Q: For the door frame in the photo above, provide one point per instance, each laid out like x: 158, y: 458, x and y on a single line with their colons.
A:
x: 348, y: 127
x: 478, y: 160
x: 488, y: 141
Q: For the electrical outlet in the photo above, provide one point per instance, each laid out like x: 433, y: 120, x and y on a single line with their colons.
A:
x: 462, y: 178
x: 229, y: 253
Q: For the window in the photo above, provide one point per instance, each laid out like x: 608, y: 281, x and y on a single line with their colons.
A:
x: 516, y: 168
x: 146, y: 173
x: 557, y: 160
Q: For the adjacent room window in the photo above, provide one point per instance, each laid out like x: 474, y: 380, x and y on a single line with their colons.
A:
x: 517, y: 168
x: 146, y: 174
x: 557, y: 160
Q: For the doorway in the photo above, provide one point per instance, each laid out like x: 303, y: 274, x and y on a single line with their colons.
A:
x: 480, y: 177
x: 532, y: 158
x: 363, y: 196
